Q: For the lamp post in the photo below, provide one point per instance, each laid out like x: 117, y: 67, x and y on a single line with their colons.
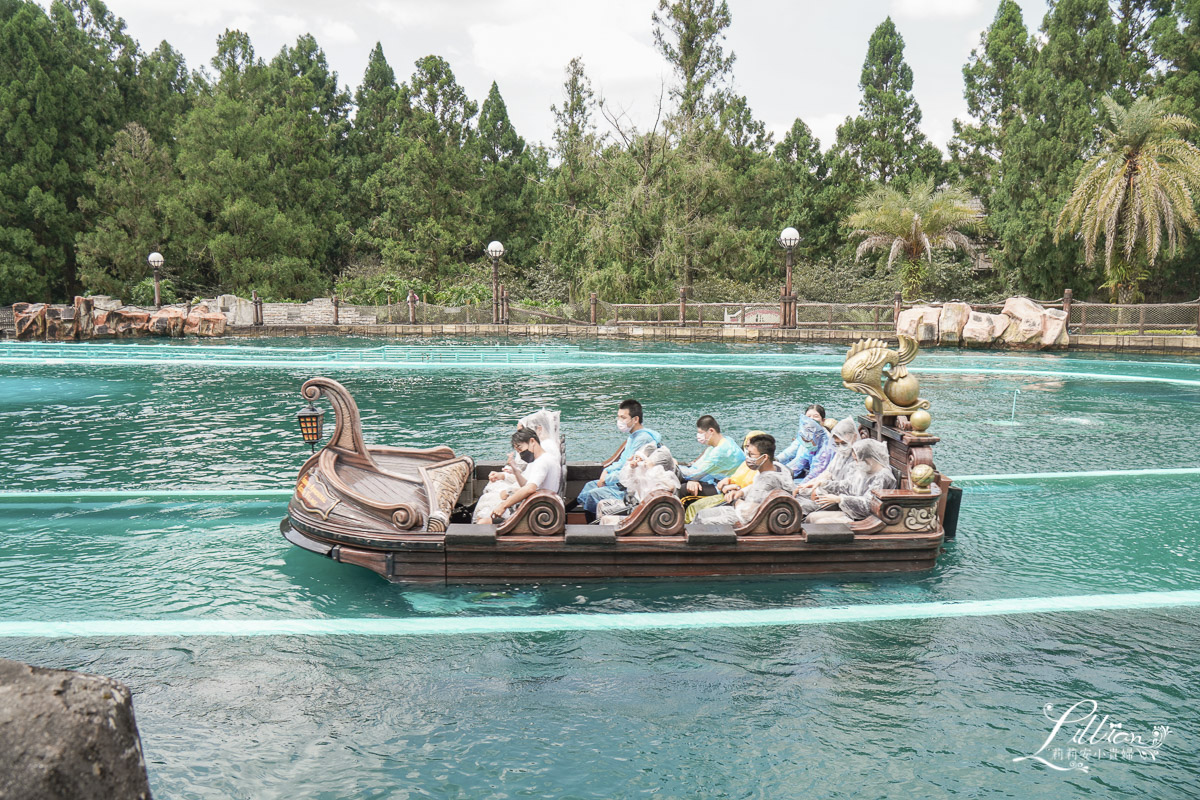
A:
x: 788, y: 239
x: 156, y: 261
x: 494, y: 251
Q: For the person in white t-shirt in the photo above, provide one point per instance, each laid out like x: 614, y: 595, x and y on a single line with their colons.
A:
x: 542, y: 471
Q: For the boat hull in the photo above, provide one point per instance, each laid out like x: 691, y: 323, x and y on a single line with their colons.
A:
x: 464, y: 556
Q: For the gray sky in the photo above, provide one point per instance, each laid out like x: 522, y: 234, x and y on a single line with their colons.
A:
x: 794, y: 59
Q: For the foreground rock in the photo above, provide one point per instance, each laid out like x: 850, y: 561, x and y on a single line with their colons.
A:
x: 982, y: 329
x: 67, y: 735
x: 203, y: 322
x: 30, y: 321
x: 951, y: 322
x: 1021, y: 325
x: 166, y: 321
x: 921, y: 323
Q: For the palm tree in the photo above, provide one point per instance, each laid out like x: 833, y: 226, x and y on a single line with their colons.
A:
x: 1136, y: 191
x: 913, y: 224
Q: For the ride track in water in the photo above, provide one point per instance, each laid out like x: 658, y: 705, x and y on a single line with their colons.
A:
x: 262, y: 672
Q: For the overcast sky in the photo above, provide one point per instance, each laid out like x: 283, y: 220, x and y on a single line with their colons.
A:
x: 794, y: 59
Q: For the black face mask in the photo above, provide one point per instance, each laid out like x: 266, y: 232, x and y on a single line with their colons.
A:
x: 526, y: 456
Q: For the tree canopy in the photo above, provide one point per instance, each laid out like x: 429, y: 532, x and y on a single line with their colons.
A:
x: 269, y: 174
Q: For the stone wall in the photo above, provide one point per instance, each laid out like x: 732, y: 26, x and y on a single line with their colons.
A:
x: 1021, y: 325
x: 316, y: 312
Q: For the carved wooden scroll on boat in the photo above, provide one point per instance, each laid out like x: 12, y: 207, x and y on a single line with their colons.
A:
x: 660, y: 514
x: 779, y: 515
x: 540, y: 514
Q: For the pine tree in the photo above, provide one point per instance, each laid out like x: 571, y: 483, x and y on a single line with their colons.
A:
x: 51, y: 88
x: 570, y: 188
x: 375, y: 123
x: 259, y: 205
x: 806, y: 199
x: 1044, y: 146
x: 425, y: 195
x: 689, y: 33
x: 506, y: 194
x: 885, y: 143
x: 124, y: 213
x: 992, y: 81
x: 166, y: 93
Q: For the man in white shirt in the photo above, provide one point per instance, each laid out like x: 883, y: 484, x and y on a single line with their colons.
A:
x: 542, y: 471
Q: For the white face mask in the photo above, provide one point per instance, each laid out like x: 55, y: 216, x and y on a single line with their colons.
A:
x: 841, y: 447
x: 756, y: 462
x: 862, y: 466
x: 702, y: 438
x: 623, y: 426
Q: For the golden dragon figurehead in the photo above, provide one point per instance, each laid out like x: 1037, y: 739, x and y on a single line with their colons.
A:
x: 874, y: 369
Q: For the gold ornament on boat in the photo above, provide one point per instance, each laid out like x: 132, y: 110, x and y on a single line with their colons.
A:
x: 874, y: 369
x: 921, y: 420
x: 920, y: 477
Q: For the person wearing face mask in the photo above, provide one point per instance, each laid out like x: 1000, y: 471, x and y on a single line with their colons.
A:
x: 629, y: 422
x: 853, y: 495
x: 719, y: 459
x: 843, y: 436
x: 542, y: 471
x: 769, y: 476
x: 742, y: 477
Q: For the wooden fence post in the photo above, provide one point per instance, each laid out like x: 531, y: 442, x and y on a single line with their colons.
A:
x: 897, y: 306
x: 592, y: 303
x: 1141, y: 319
x: 256, y: 303
x: 504, y: 294
x: 783, y: 308
x: 682, y: 306
x: 1068, y: 297
x: 335, y: 308
x: 412, y: 307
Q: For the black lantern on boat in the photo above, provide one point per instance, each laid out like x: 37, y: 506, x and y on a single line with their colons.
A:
x: 311, y: 420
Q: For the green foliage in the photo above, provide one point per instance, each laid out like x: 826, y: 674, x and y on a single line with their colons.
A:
x: 142, y: 292
x: 506, y: 194
x: 259, y: 206
x: 125, y: 213
x: 423, y: 198
x: 267, y: 175
x: 993, y: 78
x: 884, y: 142
x: 1043, y: 150
x: 1136, y: 192
x: 910, y: 225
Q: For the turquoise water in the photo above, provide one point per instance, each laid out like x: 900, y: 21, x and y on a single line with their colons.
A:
x: 927, y: 707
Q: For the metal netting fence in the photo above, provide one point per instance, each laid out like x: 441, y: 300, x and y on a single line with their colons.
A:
x: 1164, y: 319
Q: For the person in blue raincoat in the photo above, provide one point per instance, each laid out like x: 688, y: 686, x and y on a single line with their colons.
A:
x: 811, y: 451
x: 629, y: 422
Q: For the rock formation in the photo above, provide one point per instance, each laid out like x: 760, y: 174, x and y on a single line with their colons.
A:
x: 68, y: 736
x: 1021, y: 325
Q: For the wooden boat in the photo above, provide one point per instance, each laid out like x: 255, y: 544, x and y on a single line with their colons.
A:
x: 393, y: 510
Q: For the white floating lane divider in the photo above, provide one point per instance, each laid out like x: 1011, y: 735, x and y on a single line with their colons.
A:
x: 1050, y: 476
x: 553, y: 623
x: 563, y: 364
